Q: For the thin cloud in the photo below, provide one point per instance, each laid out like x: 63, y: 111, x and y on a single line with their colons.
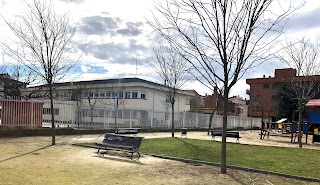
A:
x: 120, y: 53
x: 73, y: 1
x: 98, y: 25
x: 306, y: 20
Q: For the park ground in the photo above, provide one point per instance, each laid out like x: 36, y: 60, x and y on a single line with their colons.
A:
x: 31, y: 160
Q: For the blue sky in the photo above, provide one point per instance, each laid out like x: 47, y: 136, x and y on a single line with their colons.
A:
x: 117, y: 38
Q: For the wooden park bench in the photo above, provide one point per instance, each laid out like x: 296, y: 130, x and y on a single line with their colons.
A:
x: 121, y: 142
x: 129, y: 131
x: 215, y: 133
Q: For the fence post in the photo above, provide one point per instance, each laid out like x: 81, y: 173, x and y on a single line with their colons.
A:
x: 197, y: 120
x: 131, y: 118
x: 152, y: 117
x: 104, y: 117
x: 184, y: 117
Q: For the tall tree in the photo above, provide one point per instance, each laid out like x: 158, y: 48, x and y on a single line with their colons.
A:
x: 173, y: 71
x: 221, y: 39
x: 14, y: 77
x: 42, y: 44
x: 303, y: 56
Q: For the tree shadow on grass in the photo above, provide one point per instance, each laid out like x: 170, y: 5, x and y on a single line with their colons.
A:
x: 191, y: 146
x: 14, y: 157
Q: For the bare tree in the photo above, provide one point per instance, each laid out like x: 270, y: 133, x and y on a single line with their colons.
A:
x: 94, y: 95
x: 303, y: 56
x: 14, y: 77
x: 118, y: 99
x: 173, y: 71
x: 42, y: 44
x: 221, y: 39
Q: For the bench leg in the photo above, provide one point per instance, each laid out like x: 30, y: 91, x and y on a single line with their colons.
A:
x: 138, y: 154
x: 131, y: 154
x: 213, y: 137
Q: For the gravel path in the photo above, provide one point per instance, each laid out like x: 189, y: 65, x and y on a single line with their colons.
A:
x: 31, y: 160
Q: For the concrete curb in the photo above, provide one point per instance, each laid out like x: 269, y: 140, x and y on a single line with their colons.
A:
x: 310, y: 179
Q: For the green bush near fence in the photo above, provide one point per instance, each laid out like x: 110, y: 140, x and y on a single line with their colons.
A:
x: 295, y: 161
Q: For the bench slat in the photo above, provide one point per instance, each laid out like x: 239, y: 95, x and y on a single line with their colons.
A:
x: 229, y: 134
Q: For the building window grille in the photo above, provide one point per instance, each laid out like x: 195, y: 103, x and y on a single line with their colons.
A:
x: 143, y: 96
x: 48, y: 111
x: 134, y: 94
x: 128, y: 95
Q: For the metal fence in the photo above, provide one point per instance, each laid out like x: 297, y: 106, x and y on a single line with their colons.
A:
x: 69, y: 114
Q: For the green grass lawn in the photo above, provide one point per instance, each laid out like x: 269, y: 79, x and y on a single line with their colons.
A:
x: 302, y: 162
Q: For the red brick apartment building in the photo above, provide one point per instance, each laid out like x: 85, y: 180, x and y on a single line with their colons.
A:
x: 262, y: 92
x: 209, y: 103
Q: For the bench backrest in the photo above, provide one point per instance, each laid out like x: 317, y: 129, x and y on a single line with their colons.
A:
x: 213, y: 132
x: 233, y: 134
x: 132, y: 141
x: 127, y: 130
x: 229, y: 134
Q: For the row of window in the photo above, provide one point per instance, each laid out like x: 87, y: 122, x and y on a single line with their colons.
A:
x: 97, y: 113
x: 109, y: 113
x: 258, y: 109
x: 48, y: 111
x: 115, y: 95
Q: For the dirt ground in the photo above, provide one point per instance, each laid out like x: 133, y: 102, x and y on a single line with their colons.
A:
x: 31, y: 160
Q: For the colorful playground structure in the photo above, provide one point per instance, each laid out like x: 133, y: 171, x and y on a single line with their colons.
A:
x: 309, y: 127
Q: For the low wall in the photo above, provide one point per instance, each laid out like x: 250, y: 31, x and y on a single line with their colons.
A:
x: 71, y: 131
x: 47, y: 132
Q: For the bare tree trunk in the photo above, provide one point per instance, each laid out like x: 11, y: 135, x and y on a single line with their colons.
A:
x: 172, y: 120
x: 224, y: 133
x: 262, y: 123
x: 52, y: 115
x: 91, y: 114
x: 300, y: 128
x: 210, y: 122
x: 116, y: 112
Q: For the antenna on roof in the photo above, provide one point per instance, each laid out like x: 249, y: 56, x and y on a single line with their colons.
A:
x: 136, y: 65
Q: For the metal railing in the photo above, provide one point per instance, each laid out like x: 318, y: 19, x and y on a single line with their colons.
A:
x: 37, y: 114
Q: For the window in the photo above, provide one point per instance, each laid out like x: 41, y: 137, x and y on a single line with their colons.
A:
x: 274, y: 109
x: 126, y: 114
x: 274, y: 97
x: 120, y: 95
x: 91, y: 95
x: 256, y: 109
x: 128, y: 95
x: 143, y: 96
x: 256, y: 97
x: 85, y: 95
x: 187, y: 101
x: 108, y: 95
x: 134, y: 94
x: 96, y: 95
x: 117, y: 94
x: 48, y: 111
x: 102, y: 95
x: 266, y: 86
